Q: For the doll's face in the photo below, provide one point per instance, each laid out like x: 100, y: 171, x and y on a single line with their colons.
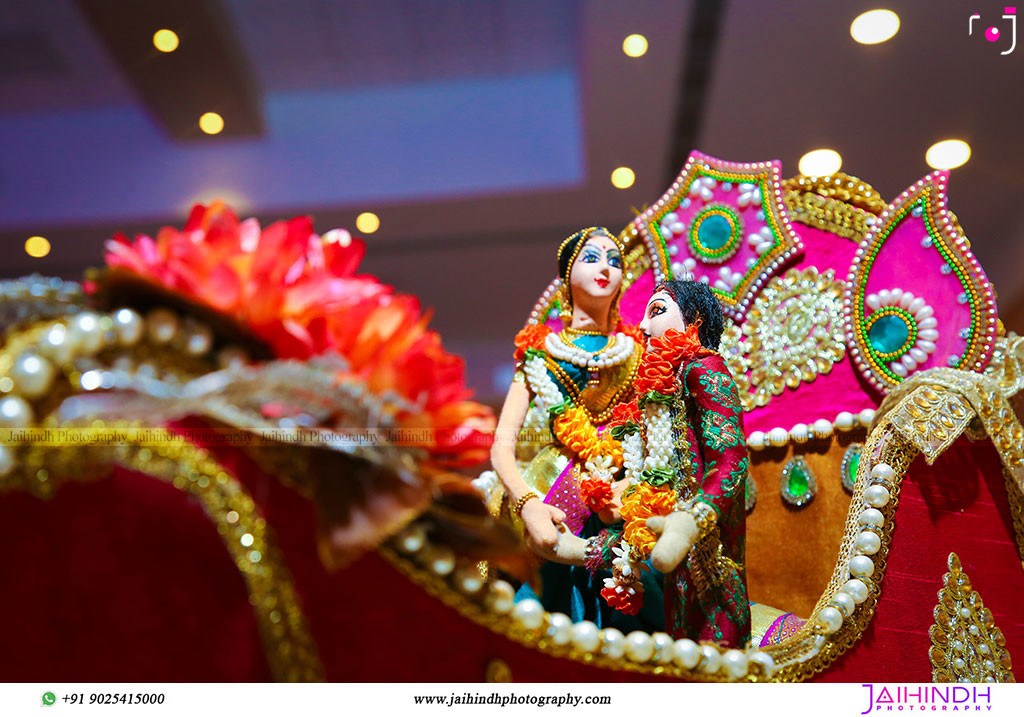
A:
x: 597, y: 271
x: 662, y: 314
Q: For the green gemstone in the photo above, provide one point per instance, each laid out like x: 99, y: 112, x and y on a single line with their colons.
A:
x: 889, y: 333
x: 797, y: 481
x: 851, y: 467
x: 714, y: 232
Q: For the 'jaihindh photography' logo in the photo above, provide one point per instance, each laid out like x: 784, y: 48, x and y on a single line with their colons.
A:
x: 929, y: 698
x: 993, y: 33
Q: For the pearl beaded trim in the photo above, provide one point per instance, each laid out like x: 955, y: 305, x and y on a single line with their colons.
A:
x: 632, y: 457
x: 544, y: 388
x: 802, y: 432
x: 530, y: 620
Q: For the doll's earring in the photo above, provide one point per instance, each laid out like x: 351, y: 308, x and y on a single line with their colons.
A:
x: 565, y: 310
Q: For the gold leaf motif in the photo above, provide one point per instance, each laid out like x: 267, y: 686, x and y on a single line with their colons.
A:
x: 497, y: 671
x: 965, y: 641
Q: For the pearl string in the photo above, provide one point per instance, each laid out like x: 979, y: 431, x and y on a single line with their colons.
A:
x: 632, y: 457
x: 530, y: 617
x: 802, y: 432
x: 618, y: 350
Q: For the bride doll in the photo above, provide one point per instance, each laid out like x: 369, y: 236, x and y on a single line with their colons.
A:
x: 552, y: 452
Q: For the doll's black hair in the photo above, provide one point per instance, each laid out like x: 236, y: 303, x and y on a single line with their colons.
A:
x: 696, y: 300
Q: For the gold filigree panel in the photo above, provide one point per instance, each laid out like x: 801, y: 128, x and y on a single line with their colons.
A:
x: 932, y: 420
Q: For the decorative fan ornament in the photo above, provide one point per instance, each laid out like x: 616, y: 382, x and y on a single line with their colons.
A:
x: 723, y: 223
x: 943, y: 313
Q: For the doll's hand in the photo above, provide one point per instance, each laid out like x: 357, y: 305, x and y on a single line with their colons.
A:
x: 542, y: 523
x: 678, y: 533
x: 569, y: 550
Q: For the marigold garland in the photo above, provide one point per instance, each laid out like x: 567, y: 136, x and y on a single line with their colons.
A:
x: 531, y: 337
x: 571, y: 425
x: 657, y: 371
x: 573, y: 429
x: 596, y: 493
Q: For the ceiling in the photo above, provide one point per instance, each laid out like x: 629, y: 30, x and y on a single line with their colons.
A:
x: 483, y: 132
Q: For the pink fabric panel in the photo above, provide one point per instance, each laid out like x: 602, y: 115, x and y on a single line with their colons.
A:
x: 843, y: 389
x: 635, y: 298
x: 825, y: 250
x: 565, y: 495
x: 904, y: 263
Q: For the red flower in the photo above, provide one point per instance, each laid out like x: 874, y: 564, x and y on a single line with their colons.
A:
x: 596, y: 493
x: 624, y: 413
x: 532, y: 337
x: 299, y: 293
x: 629, y: 603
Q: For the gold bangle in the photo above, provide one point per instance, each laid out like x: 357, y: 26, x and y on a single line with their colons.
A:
x: 517, y: 507
x: 703, y: 515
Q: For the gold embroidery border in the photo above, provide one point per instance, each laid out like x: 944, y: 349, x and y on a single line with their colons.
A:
x: 838, y: 203
x: 290, y: 650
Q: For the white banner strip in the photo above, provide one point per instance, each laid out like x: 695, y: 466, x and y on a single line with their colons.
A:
x: 633, y: 699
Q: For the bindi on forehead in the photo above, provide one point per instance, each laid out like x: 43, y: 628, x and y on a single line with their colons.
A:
x: 602, y: 242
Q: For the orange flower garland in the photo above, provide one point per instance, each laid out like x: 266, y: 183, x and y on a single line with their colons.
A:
x: 573, y: 430
x: 641, y: 502
x: 658, y: 366
x: 531, y: 337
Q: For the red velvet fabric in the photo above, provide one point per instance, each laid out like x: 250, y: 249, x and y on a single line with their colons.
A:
x: 959, y: 505
x: 123, y: 579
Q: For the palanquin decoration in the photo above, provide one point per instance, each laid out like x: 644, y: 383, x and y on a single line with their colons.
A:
x: 885, y: 527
